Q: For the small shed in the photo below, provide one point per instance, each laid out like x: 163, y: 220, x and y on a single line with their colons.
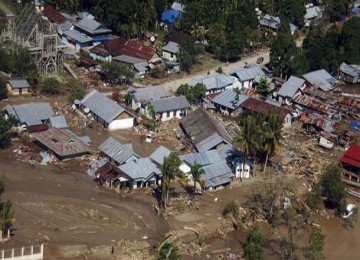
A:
x: 18, y: 87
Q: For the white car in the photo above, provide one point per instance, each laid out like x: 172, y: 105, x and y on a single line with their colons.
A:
x: 349, y: 210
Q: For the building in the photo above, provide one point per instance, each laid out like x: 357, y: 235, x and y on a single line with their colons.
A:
x: 349, y: 73
x: 171, y: 107
x: 229, y: 102
x: 258, y: 106
x: 290, y: 88
x: 217, y: 175
x: 159, y: 155
x: 273, y: 23
x: 58, y: 122
x: 30, y: 114
x: 205, y: 131
x: 18, y: 87
x: 53, y: 15
x: 170, y: 51
x: 247, y: 75
x: 215, y: 83
x: 62, y: 142
x: 76, y: 39
x: 116, y: 152
x: 178, y: 7
x: 106, y: 111
x: 141, y: 97
x: 321, y: 79
x: 202, y: 158
x: 350, y: 163
x: 312, y: 13
x: 180, y: 38
x: 327, y: 140
x: 170, y: 17
x: 91, y: 27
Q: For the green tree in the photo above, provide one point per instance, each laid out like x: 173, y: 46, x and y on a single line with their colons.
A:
x: 272, y: 135
x: 6, y: 132
x: 232, y: 208
x: 117, y: 73
x: 263, y: 87
x: 76, y: 92
x: 198, y: 91
x: 254, y: 244
x: 316, y: 245
x: 169, y: 169
x: 196, y: 173
x: 7, y: 215
x: 333, y: 188
x: 167, y: 250
x: 186, y: 90
x: 313, y: 198
x: 3, y: 89
x: 336, y: 9
x: 51, y: 87
x: 23, y: 64
x: 237, y: 91
x: 351, y: 40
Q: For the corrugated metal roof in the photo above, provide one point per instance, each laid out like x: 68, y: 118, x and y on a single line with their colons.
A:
x: 227, y: 99
x: 170, y: 104
x: 202, y: 158
x: 322, y: 79
x: 77, y: 36
x: 246, y: 74
x: 217, y: 174
x: 31, y: 113
x: 141, y: 66
x: 178, y: 7
x: 64, y: 26
x: 349, y: 70
x: 102, y: 106
x: 204, y: 129
x: 149, y: 93
x: 128, y: 59
x: 312, y: 12
x: 89, y: 25
x: 171, y: 47
x: 62, y: 142
x: 270, y: 21
x: 19, y: 83
x: 117, y: 151
x: 159, y: 154
x: 140, y: 169
x: 217, y: 81
x: 58, y: 121
x: 290, y: 87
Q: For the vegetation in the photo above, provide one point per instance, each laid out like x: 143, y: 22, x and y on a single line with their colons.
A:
x: 3, y: 89
x: 231, y: 208
x: 76, y: 92
x: 188, y: 56
x: 192, y: 94
x: 167, y: 250
x: 313, y: 198
x: 351, y: 40
x: 6, y: 213
x: 169, y: 169
x: 116, y: 73
x: 263, y: 87
x: 196, y: 173
x: 6, y: 132
x: 316, y: 245
x: 51, y: 87
x: 254, y: 244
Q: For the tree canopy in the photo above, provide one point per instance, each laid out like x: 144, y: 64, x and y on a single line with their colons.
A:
x: 253, y: 247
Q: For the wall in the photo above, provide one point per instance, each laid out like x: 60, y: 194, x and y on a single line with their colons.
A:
x: 242, y: 171
x: 101, y: 58
x: 167, y: 56
x: 16, y: 92
x: 121, y: 124
x: 165, y: 117
x: 287, y: 121
x: 325, y: 143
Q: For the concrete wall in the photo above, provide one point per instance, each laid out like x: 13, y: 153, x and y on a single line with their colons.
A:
x: 121, y: 124
x: 287, y: 121
x: 101, y: 58
x: 17, y: 92
x: 172, y: 114
x: 167, y: 56
x: 23, y: 253
x: 242, y: 171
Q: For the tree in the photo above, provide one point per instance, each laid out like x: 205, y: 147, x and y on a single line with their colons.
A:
x: 169, y: 169
x: 167, y: 250
x: 232, y: 208
x: 196, y: 173
x: 263, y: 87
x: 23, y: 64
x: 116, y: 73
x: 333, y: 188
x: 313, y: 198
x: 237, y: 91
x: 6, y: 132
x: 50, y: 87
x: 186, y: 90
x: 6, y: 212
x: 254, y: 244
x: 316, y: 245
x: 3, y: 89
x: 76, y: 92
x: 336, y: 9
x: 199, y: 91
x: 351, y: 40
x: 272, y: 134
x: 153, y: 123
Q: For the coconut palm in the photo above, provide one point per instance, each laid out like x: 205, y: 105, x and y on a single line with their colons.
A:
x: 272, y: 135
x: 167, y: 250
x: 6, y: 212
x: 237, y: 93
x: 170, y: 169
x: 263, y: 87
x: 196, y: 172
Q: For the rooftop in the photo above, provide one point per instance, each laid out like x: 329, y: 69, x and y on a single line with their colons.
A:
x: 149, y: 93
x: 352, y: 156
x: 140, y: 169
x: 228, y: 99
x: 77, y: 36
x: 264, y: 108
x: 270, y: 21
x: 291, y: 86
x: 62, y: 142
x: 178, y: 7
x: 117, y: 151
x: 170, y: 104
x: 216, y: 81
x: 18, y: 83
x: 217, y: 174
x: 202, y: 158
x: 58, y: 122
x: 91, y: 26
x: 179, y: 37
x: 159, y: 154
x: 349, y: 70
x: 102, y: 106
x: 321, y: 79
x: 171, y: 47
x: 246, y: 74
x: 54, y: 16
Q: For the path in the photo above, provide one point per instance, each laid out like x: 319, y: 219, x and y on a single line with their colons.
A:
x: 174, y: 84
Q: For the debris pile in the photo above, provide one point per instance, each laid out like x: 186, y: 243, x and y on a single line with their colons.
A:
x: 26, y: 154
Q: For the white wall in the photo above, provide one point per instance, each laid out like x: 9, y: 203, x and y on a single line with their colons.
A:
x: 242, y: 171
x: 165, y: 117
x: 287, y: 121
x: 325, y: 143
x: 121, y: 124
x: 167, y: 56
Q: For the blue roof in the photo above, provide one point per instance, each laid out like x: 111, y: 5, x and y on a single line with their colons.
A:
x: 117, y: 151
x: 217, y: 174
x: 202, y: 158
x: 227, y: 99
x: 58, y: 121
x: 141, y: 169
x: 170, y: 16
x: 101, y: 38
x: 159, y: 154
x: 77, y: 36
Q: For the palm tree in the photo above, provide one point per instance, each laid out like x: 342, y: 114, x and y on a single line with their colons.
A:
x: 170, y: 169
x: 237, y: 92
x: 263, y: 87
x: 6, y: 212
x: 273, y: 135
x: 167, y: 250
x: 196, y: 172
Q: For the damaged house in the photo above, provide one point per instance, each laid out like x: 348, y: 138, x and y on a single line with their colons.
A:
x: 321, y: 79
x: 290, y: 89
x: 141, y: 97
x: 229, y: 103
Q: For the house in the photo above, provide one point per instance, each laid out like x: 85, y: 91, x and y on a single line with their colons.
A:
x: 17, y: 87
x: 143, y: 173
x: 258, y: 106
x: 217, y: 175
x: 327, y: 140
x: 91, y: 27
x: 170, y: 17
x: 247, y: 75
x: 76, y: 40
x: 202, y: 158
x: 58, y: 122
x: 65, y: 26
x: 228, y: 102
x: 235, y: 158
x: 290, y: 88
x: 116, y: 152
x: 39, y: 5
x: 350, y: 163
x: 141, y: 97
x: 170, y: 50
x: 349, y: 73
x: 106, y: 51
x: 106, y: 111
x: 317, y: 123
x: 159, y: 155
x: 53, y: 15
x: 62, y: 142
x: 215, y: 83
x: 171, y: 107
x: 205, y: 131
x: 180, y: 38
x: 30, y: 114
x: 274, y: 23
x: 312, y: 13
x: 107, y: 173
x: 178, y: 7
x: 140, y: 69
x: 321, y: 79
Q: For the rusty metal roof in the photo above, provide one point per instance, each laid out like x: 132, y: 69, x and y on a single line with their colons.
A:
x: 312, y: 103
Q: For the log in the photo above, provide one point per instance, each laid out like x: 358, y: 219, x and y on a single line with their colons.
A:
x: 222, y: 250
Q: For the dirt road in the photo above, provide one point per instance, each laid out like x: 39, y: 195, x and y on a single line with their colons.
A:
x: 174, y: 84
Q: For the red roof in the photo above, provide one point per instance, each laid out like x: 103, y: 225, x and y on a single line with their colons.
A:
x: 53, y: 15
x: 352, y: 156
x: 266, y: 109
x: 100, y: 50
x: 115, y: 46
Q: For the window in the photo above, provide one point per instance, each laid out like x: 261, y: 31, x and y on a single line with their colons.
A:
x: 168, y: 113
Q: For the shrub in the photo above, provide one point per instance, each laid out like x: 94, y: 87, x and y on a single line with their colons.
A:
x: 231, y: 208
x: 50, y: 87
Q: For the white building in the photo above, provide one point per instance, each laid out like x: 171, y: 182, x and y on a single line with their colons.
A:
x: 171, y: 107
